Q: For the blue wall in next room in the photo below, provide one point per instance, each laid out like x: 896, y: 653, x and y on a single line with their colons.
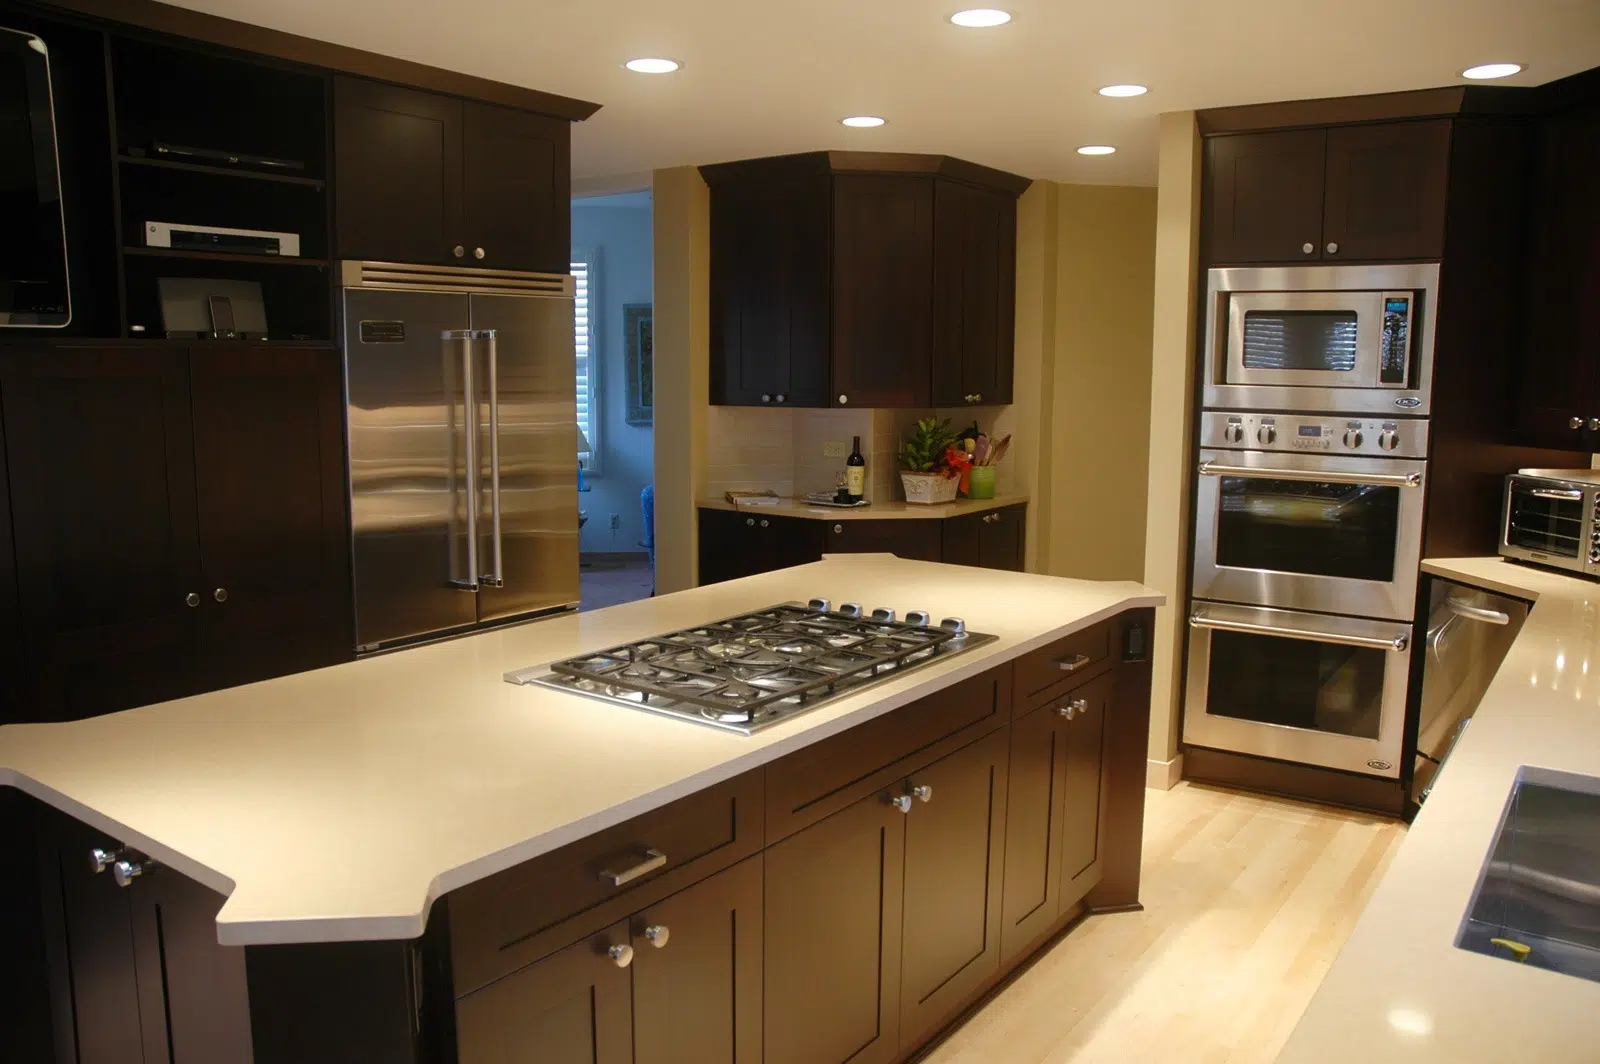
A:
x: 615, y: 232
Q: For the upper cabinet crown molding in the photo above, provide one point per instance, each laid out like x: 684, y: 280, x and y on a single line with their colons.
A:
x: 293, y: 48
x: 866, y: 162
x: 1446, y: 102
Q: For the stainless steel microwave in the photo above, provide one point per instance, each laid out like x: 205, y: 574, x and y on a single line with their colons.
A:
x: 1333, y: 339
x: 1552, y: 517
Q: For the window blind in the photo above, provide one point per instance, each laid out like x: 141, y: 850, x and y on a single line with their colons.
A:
x: 583, y: 344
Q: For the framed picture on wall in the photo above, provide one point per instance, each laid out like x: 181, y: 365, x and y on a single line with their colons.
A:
x: 639, y: 354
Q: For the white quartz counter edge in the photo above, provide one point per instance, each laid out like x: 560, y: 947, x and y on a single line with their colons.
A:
x: 1400, y: 991
x: 341, y: 872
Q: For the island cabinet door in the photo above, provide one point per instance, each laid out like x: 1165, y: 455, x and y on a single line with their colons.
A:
x: 833, y: 921
x: 573, y: 1007
x: 955, y: 834
x: 1084, y: 789
x: 1031, y: 897
x: 697, y: 972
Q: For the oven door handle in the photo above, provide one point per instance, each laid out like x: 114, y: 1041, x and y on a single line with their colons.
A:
x: 1572, y: 495
x: 1398, y: 643
x: 1377, y: 480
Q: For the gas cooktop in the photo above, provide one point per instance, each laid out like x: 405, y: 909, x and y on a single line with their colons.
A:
x: 749, y: 672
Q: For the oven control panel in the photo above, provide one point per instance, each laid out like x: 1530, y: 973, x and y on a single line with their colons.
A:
x: 1326, y: 434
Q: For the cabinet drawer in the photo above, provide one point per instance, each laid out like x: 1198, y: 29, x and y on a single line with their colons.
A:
x: 1064, y: 664
x: 823, y: 778
x: 525, y: 913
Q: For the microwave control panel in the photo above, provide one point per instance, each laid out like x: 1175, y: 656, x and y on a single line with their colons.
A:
x: 1322, y: 434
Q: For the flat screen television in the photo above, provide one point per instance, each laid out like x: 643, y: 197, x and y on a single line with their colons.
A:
x: 34, y: 291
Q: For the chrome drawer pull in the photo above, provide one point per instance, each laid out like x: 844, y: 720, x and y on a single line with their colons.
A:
x: 653, y: 859
x: 1074, y: 663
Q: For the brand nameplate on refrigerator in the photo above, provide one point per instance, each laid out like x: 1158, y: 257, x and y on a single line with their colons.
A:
x: 383, y: 332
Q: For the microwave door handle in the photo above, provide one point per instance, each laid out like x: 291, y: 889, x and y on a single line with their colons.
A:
x: 1377, y: 480
x: 463, y: 339
x: 1570, y: 495
x: 496, y: 578
x: 1397, y: 643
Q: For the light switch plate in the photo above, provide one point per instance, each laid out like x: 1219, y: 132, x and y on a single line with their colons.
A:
x: 836, y: 449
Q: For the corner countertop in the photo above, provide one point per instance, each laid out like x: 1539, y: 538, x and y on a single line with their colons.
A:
x: 878, y: 511
x: 1400, y: 991
x: 336, y: 805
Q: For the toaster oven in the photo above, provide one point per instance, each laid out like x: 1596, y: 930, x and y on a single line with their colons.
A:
x: 1552, y: 517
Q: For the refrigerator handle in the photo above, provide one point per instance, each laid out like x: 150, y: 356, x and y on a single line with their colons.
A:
x: 469, y: 402
x: 497, y: 578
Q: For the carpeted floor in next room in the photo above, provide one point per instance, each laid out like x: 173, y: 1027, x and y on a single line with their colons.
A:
x: 611, y: 582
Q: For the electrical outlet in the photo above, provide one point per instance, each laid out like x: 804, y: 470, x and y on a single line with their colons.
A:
x: 836, y: 449
x: 616, y: 522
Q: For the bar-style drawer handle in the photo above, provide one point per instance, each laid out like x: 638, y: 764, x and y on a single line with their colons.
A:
x: 1074, y: 663
x: 653, y: 859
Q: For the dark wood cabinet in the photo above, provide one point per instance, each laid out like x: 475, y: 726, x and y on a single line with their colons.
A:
x: 697, y: 972
x: 181, y: 525
x: 1347, y: 193
x: 735, y: 544
x: 955, y: 838
x: 834, y: 899
x: 862, y: 279
x: 918, y: 540
x: 575, y: 1006
x: 974, y: 295
x: 1083, y: 806
x: 10, y: 615
x: 882, y: 290
x: 1558, y: 369
x: 994, y: 540
x: 769, y: 293
x: 431, y: 179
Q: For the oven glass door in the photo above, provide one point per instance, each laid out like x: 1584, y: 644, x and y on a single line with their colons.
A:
x: 1301, y: 687
x: 1307, y: 339
x: 1340, y: 535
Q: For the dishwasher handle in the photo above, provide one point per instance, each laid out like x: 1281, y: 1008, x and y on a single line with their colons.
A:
x: 1477, y: 613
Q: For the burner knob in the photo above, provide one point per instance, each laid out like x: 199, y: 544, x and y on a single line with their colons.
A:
x: 1234, y: 433
x: 1353, y: 438
x: 920, y: 618
x: 1267, y: 434
x: 954, y: 625
x: 820, y: 605
x: 1389, y: 440
x: 851, y: 609
x: 883, y: 616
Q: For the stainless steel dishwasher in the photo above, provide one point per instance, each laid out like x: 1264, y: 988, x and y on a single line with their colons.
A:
x: 1469, y: 633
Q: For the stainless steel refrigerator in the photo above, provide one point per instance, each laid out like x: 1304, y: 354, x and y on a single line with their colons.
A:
x: 463, y: 447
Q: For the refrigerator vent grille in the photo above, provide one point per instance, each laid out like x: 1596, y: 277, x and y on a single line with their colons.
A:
x: 402, y: 277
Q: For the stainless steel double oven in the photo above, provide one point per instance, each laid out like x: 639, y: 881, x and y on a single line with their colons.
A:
x: 1310, y: 483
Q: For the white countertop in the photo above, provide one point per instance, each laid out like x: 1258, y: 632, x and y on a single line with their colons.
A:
x: 1400, y: 990
x: 878, y: 511
x: 336, y: 805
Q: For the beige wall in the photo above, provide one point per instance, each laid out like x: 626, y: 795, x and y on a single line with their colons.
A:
x: 1166, y: 548
x: 682, y: 210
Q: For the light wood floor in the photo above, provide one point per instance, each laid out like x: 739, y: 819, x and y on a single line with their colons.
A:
x: 1247, y: 901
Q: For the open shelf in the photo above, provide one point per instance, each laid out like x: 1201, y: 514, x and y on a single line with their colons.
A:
x: 224, y: 256
x: 223, y: 171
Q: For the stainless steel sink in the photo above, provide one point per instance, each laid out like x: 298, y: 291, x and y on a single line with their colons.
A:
x: 1538, y: 896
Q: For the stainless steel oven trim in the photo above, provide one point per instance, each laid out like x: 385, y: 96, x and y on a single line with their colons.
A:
x: 1379, y: 399
x: 1588, y: 498
x: 1394, y: 599
x: 1347, y: 753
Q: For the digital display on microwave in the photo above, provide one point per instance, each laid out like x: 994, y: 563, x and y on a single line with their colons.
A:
x: 1310, y: 430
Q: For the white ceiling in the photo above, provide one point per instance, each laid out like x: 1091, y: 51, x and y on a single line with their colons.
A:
x: 763, y: 77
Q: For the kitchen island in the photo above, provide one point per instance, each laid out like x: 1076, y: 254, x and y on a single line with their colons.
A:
x: 432, y: 862
x: 1400, y: 990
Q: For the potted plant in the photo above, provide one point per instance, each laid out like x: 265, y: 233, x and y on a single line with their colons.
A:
x: 925, y: 460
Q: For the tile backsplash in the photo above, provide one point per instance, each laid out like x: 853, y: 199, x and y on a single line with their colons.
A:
x: 751, y: 448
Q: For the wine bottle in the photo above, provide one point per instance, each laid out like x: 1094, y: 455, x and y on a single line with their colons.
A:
x: 855, y: 473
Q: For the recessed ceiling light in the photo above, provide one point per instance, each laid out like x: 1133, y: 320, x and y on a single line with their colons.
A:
x: 1096, y: 149
x: 862, y: 121
x: 978, y: 18
x: 1491, y: 70
x: 651, y: 65
x: 1124, y: 90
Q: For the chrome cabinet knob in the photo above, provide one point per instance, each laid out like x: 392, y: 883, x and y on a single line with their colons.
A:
x: 978, y: 398
x: 1333, y: 248
x: 621, y: 956
x: 102, y: 859
x: 192, y: 599
x: 838, y: 529
x: 843, y: 399
x: 765, y: 523
x: 922, y: 792
x: 125, y: 871
x: 458, y: 251
x: 1575, y: 423
x: 1594, y: 424
x: 220, y: 594
x: 779, y: 397
x: 765, y: 398
x: 1073, y: 708
x: 901, y: 802
x: 657, y: 935
x: 750, y: 522
x: 1308, y: 247
x: 477, y: 253
x: 1067, y: 711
